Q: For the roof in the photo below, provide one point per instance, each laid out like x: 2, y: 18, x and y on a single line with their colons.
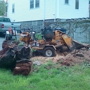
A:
x: 3, y: 17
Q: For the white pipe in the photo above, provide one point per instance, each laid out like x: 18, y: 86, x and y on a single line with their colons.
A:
x: 55, y: 10
x: 44, y: 6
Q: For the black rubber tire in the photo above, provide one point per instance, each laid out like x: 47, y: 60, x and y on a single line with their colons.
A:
x: 51, y: 49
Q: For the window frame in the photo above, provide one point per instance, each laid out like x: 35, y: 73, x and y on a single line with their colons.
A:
x: 37, y: 3
x: 76, y: 4
x: 34, y: 4
x: 13, y: 8
x: 31, y: 4
x: 66, y: 1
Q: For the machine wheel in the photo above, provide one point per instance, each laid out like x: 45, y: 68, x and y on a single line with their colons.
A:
x: 49, y: 52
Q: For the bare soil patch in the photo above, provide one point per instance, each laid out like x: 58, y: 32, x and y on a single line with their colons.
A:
x: 68, y: 59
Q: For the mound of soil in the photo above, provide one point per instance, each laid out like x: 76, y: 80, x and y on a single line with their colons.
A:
x: 68, y: 59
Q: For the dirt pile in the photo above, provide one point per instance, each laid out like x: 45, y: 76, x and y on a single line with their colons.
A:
x: 72, y: 58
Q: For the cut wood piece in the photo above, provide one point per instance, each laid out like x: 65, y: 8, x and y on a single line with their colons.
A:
x: 23, y: 67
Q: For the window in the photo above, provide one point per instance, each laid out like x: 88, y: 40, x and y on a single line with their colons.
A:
x: 77, y: 4
x: 66, y: 1
x: 4, y: 20
x: 31, y: 4
x: 36, y: 3
x: 13, y: 8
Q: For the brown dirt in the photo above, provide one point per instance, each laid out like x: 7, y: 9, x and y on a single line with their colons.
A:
x: 68, y: 59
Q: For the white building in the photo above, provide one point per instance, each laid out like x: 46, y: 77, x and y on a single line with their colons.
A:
x: 29, y: 10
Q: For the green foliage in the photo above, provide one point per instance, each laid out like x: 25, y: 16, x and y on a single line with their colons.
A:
x: 21, y: 44
x: 52, y: 78
x: 38, y: 36
x: 2, y: 8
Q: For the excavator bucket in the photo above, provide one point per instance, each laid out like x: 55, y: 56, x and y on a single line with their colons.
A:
x: 72, y: 44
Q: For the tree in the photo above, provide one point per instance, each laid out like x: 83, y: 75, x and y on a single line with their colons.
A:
x: 2, y: 7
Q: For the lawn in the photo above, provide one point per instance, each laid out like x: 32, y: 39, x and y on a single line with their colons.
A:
x: 48, y: 77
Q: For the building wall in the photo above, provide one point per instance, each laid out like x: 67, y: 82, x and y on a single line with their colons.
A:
x: 68, y: 11
x: 53, y: 9
x: 78, y: 29
x: 49, y: 9
x: 23, y: 11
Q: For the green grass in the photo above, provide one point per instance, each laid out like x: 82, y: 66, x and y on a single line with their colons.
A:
x: 48, y: 77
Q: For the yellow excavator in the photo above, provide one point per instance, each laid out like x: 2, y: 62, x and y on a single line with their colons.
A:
x: 50, y: 41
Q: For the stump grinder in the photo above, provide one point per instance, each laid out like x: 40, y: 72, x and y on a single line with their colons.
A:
x: 50, y: 42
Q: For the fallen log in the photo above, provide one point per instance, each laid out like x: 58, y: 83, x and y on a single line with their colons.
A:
x: 78, y: 45
x: 21, y: 51
x: 15, y: 57
x: 7, y: 58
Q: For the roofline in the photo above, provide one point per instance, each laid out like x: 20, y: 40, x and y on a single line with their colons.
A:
x: 4, y: 16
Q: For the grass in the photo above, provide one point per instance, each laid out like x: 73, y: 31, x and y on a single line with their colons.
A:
x: 48, y: 77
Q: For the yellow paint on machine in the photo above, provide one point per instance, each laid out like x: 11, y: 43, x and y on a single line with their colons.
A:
x: 67, y: 40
